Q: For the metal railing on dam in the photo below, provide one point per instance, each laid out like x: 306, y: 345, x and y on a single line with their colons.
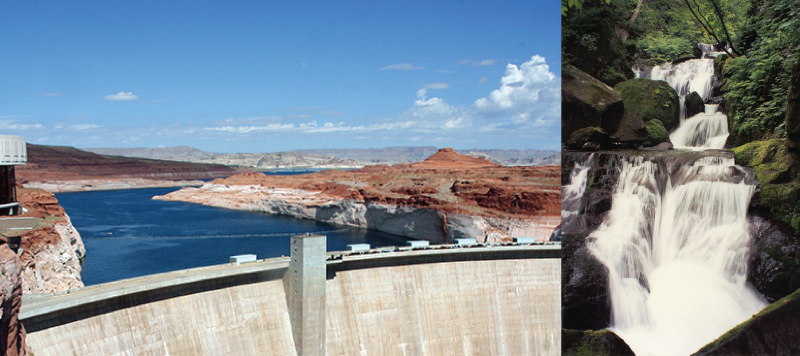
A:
x: 444, y: 300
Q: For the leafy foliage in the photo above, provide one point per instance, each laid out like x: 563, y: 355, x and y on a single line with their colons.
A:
x: 756, y: 84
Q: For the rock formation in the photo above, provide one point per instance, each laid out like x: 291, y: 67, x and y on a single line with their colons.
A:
x: 12, y: 333
x: 52, y: 251
x: 447, y: 196
x: 602, y: 342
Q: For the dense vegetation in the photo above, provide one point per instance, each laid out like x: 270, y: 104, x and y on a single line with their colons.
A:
x: 605, y: 39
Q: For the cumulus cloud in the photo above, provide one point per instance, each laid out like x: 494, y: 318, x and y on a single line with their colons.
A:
x: 525, y: 90
x: 402, y: 66
x: 121, y: 96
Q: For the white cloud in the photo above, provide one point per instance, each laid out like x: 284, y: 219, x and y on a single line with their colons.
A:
x: 485, y: 62
x: 524, y: 90
x: 122, y: 96
x: 331, y: 113
x: 483, y: 80
x: 85, y: 127
x: 402, y: 66
x: 439, y: 85
x: 51, y: 94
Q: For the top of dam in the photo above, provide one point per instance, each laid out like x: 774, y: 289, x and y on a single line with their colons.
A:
x: 39, y: 305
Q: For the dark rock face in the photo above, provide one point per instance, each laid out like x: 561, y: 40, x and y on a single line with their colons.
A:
x: 773, y: 331
x: 694, y: 104
x: 585, y: 300
x: 598, y: 343
x: 587, y: 102
x: 630, y: 131
x: 774, y: 258
x: 588, y: 137
x: 793, y: 111
x: 651, y: 100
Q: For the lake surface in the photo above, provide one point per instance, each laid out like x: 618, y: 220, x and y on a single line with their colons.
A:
x: 129, y: 235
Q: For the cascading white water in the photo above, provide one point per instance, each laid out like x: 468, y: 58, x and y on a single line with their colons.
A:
x: 702, y: 131
x: 571, y: 194
x: 677, y: 255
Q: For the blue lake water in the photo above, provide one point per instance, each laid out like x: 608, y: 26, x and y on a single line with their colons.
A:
x: 127, y: 234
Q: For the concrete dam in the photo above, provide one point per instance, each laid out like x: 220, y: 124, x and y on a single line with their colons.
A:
x: 483, y: 300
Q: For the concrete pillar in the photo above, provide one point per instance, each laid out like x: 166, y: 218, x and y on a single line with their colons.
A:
x: 307, y: 271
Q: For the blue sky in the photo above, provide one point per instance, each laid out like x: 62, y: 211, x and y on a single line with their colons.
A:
x: 266, y: 76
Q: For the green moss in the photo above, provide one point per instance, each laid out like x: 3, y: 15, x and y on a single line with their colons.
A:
x: 650, y: 100
x: 779, y: 174
x: 589, y: 343
x: 787, y: 304
x: 656, y: 133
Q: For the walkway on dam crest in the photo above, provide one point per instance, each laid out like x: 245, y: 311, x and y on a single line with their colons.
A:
x: 40, y: 305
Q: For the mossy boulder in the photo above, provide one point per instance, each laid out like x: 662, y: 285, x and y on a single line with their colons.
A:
x: 656, y: 133
x: 651, y: 100
x: 593, y: 343
x: 694, y: 104
x: 778, y: 171
x: 588, y: 137
x: 587, y: 102
x: 775, y: 330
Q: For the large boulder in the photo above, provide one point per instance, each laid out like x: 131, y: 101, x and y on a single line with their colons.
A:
x: 651, y: 100
x: 774, y: 258
x: 585, y: 299
x: 588, y: 137
x: 587, y: 102
x: 12, y: 333
x: 694, y: 104
x: 597, y: 343
x: 629, y: 131
x: 656, y: 133
x: 774, y: 331
x: 777, y: 169
x: 793, y: 111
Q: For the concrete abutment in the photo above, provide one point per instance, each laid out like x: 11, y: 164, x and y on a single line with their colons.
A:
x: 499, y: 300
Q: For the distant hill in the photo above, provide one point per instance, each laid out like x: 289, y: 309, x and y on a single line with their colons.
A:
x: 69, y: 163
x: 332, y: 158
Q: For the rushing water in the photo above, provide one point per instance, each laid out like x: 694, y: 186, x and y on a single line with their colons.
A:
x: 675, y: 241
x: 129, y: 235
x: 675, y: 244
x: 704, y: 130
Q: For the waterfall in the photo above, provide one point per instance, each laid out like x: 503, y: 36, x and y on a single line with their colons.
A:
x: 676, y: 245
x: 703, y: 130
x: 572, y: 193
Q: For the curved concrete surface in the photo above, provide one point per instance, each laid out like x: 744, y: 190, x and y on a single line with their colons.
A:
x: 454, y: 301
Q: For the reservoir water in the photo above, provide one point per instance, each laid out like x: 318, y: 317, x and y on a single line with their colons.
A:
x: 127, y: 234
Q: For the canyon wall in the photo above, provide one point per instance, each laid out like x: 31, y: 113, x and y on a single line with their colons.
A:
x: 410, y: 222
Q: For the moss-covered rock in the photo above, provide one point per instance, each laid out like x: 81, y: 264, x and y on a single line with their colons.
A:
x: 593, y: 343
x: 694, y: 104
x: 656, y: 133
x: 651, y: 100
x: 775, y: 330
x: 778, y: 170
x: 579, y: 139
x: 587, y: 102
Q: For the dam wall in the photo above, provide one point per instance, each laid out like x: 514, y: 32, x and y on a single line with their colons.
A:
x: 500, y: 300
